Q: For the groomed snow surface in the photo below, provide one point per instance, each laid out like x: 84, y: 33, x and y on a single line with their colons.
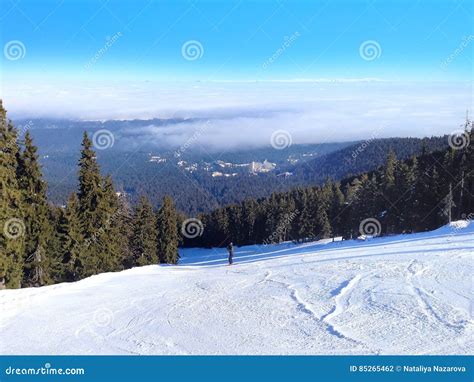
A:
x: 408, y: 294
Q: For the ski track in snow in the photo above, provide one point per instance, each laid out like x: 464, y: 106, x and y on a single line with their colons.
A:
x: 409, y: 294
x: 425, y: 299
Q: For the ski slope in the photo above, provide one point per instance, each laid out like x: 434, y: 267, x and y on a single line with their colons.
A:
x: 408, y: 294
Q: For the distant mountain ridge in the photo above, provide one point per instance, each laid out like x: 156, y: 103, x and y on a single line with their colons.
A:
x: 363, y: 156
x: 156, y: 172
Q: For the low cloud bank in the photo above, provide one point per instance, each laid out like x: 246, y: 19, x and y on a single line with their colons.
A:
x: 232, y: 115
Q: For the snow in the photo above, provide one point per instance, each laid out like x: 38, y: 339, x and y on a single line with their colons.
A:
x: 406, y: 294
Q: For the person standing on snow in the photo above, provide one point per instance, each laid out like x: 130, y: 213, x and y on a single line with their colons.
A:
x: 230, y: 249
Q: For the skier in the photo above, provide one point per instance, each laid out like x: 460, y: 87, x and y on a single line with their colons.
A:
x: 230, y: 249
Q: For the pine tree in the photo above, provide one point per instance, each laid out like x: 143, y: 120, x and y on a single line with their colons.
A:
x: 107, y: 248
x: 236, y: 228
x: 180, y: 219
x: 448, y: 205
x: 323, y: 226
x: 434, y: 195
x: 352, y: 220
x: 122, y: 222
x: 336, y: 209
x: 54, y: 251
x: 390, y: 168
x: 390, y: 194
x: 37, y: 262
x: 216, y: 231
x: 103, y: 248
x: 12, y: 240
x: 408, y: 202
x: 144, y: 239
x: 307, y: 229
x: 299, y: 201
x: 275, y: 223
x: 72, y: 240
x: 467, y: 169
x: 90, y: 189
x: 249, y: 216
x: 167, y: 232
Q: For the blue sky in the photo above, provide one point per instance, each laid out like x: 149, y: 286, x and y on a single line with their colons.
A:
x: 380, y: 68
x: 237, y: 38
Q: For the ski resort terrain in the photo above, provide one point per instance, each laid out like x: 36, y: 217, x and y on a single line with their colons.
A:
x: 405, y: 294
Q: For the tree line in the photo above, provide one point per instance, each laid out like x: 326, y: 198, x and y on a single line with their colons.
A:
x: 96, y: 231
x: 138, y: 177
x: 404, y: 196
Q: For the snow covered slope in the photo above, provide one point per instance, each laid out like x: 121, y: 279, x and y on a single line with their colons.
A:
x: 409, y: 294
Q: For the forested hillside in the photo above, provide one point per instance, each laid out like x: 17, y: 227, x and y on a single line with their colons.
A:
x: 404, y: 196
x: 213, y: 177
x: 363, y: 156
x: 98, y: 230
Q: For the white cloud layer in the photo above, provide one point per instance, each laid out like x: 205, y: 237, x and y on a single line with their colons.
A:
x: 236, y: 114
